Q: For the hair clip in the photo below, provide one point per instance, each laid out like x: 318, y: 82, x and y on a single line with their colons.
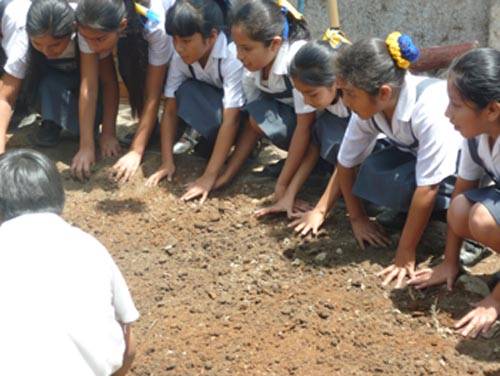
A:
x: 402, y: 49
x: 335, y: 37
x: 290, y: 8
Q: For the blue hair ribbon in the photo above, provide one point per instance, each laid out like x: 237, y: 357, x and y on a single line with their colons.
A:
x: 286, y: 26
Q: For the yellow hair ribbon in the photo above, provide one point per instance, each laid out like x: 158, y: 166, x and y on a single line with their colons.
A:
x: 141, y: 9
x: 293, y: 11
x: 335, y: 37
x: 395, y: 51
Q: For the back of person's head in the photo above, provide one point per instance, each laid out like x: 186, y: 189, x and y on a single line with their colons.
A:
x: 314, y: 62
x: 188, y: 17
x: 476, y: 75
x: 107, y: 16
x: 263, y: 20
x: 370, y: 63
x: 29, y: 183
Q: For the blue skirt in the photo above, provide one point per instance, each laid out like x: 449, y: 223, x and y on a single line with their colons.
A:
x: 200, y: 106
x: 328, y: 132
x: 58, y: 96
x: 489, y: 197
x: 276, y: 120
x: 387, y: 178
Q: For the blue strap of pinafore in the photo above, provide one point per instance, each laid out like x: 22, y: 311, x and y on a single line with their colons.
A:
x: 219, y: 63
x: 288, y: 93
x: 421, y: 86
x: 473, y: 150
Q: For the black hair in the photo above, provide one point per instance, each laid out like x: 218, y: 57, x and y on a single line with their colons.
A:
x: 187, y: 17
x: 313, y: 64
x: 29, y: 183
x: 367, y: 64
x: 55, y: 18
x: 476, y: 75
x: 106, y: 15
x: 263, y: 20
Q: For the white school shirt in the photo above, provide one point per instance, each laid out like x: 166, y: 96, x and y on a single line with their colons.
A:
x: 231, y: 70
x: 253, y: 84
x: 469, y: 169
x: 439, y: 142
x: 63, y: 299
x: 160, y: 46
x: 339, y: 109
x: 14, y: 37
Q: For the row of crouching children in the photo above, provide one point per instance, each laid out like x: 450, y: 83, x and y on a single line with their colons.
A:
x: 390, y: 138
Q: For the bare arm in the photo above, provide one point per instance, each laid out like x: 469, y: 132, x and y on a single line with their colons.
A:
x: 9, y: 89
x: 130, y: 351
x: 298, y: 146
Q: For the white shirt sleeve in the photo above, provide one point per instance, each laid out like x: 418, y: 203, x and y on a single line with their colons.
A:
x: 160, y: 46
x: 125, y: 311
x: 232, y: 74
x: 251, y: 90
x: 299, y: 105
x: 438, y: 143
x: 468, y: 169
x: 14, y: 43
x: 176, y: 76
x: 358, y: 142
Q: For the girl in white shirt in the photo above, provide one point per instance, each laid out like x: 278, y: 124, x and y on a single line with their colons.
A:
x: 416, y: 173
x: 53, y: 77
x: 267, y: 36
x: 474, y: 109
x: 204, y: 89
x: 312, y: 71
x: 144, y: 49
x: 14, y: 46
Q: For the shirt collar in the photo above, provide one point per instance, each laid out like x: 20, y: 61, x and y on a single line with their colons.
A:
x: 26, y: 219
x: 280, y: 64
x: 407, y: 98
x: 219, y: 50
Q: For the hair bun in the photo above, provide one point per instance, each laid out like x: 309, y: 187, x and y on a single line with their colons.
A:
x: 402, y: 49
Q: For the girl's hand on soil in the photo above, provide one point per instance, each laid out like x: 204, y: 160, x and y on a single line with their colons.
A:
x: 82, y: 163
x: 309, y: 221
x: 200, y: 187
x: 368, y: 231
x: 404, y: 265
x: 221, y: 181
x: 480, y: 319
x: 167, y: 169
x: 110, y: 147
x: 287, y: 204
x: 445, y: 272
x: 126, y: 166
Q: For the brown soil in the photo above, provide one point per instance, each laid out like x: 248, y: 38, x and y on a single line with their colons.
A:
x: 221, y: 293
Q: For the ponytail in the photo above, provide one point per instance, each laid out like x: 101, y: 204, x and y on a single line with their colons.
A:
x: 263, y: 20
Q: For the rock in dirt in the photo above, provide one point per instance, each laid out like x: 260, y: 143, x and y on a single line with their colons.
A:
x: 474, y: 284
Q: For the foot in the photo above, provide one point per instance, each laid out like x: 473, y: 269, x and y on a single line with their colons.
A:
x: 187, y: 142
x: 471, y: 253
x: 391, y: 219
x: 48, y: 134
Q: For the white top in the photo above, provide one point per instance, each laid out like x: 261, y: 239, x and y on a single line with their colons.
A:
x: 339, y: 109
x: 14, y: 37
x: 231, y: 70
x: 160, y: 44
x: 439, y: 142
x: 63, y: 299
x: 253, y: 83
x: 469, y: 169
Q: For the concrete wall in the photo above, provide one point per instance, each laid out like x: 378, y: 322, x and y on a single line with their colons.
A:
x: 428, y: 22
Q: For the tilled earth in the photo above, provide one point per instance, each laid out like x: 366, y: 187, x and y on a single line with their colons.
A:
x: 222, y: 293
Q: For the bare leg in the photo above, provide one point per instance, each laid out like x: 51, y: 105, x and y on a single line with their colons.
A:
x: 483, y: 227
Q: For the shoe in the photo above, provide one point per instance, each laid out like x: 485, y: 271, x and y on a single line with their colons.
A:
x: 471, y: 253
x: 391, y: 218
x: 273, y: 170
x: 48, y: 134
x: 187, y: 142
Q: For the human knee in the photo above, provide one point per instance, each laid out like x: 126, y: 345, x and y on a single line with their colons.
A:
x: 483, y: 226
